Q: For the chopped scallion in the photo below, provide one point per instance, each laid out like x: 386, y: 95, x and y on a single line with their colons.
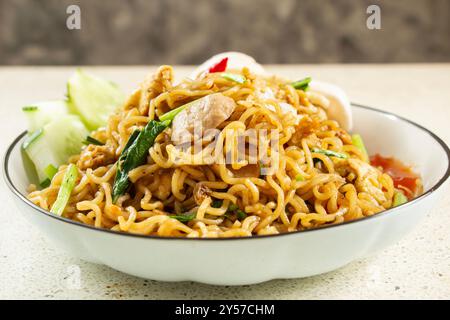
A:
x: 90, y: 140
x: 234, y: 77
x: 330, y: 153
x: 67, y: 185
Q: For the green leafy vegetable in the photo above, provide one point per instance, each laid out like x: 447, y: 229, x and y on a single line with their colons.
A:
x: 330, y: 153
x: 185, y: 217
x: 121, y: 183
x: 399, y: 198
x: 134, y: 154
x: 234, y: 77
x: 302, y: 84
x: 358, y: 142
x: 67, y: 185
x: 136, y: 149
x: 90, y: 140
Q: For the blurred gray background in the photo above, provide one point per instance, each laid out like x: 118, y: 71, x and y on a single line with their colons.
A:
x: 188, y: 31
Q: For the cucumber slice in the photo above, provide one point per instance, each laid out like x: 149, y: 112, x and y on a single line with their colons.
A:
x: 53, y: 144
x: 93, y: 99
x: 41, y: 113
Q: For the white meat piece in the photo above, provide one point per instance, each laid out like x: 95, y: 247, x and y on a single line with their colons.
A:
x: 367, y: 179
x: 207, y: 112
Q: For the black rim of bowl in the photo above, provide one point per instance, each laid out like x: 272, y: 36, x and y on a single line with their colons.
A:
x: 19, y: 195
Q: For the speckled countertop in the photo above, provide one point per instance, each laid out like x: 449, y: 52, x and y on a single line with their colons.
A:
x: 416, y: 267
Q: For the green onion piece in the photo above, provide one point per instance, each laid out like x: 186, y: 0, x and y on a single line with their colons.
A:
x: 90, y: 140
x: 302, y: 84
x: 172, y: 113
x: 330, y: 153
x: 399, y: 198
x: 67, y: 185
x: 241, y: 215
x: 234, y: 77
x: 29, y: 108
x: 358, y: 142
x: 299, y: 177
x: 50, y: 171
x: 185, y: 217
x: 216, y: 203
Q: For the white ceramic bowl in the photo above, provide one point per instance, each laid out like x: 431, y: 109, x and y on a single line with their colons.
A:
x: 240, y: 261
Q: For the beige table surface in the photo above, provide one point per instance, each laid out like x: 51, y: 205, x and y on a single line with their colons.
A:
x: 416, y: 267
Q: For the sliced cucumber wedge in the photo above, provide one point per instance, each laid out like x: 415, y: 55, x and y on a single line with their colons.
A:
x: 41, y: 113
x: 93, y: 99
x: 52, y: 145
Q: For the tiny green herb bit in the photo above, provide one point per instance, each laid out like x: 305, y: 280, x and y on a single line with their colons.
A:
x: 302, y: 84
x: 241, y: 215
x: 234, y: 77
x: 46, y: 183
x: 216, y: 203
x: 30, y: 108
x: 135, y: 154
x: 330, y: 153
x: 399, y: 198
x: 299, y: 177
x: 185, y: 217
x: 67, y: 185
x: 232, y: 207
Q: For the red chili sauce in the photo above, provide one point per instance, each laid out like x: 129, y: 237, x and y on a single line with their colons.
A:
x: 403, y: 176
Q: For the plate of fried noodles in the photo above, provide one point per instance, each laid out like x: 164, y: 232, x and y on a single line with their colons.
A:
x: 231, y: 175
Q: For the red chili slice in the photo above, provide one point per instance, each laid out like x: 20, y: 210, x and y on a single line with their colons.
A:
x: 220, y: 66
